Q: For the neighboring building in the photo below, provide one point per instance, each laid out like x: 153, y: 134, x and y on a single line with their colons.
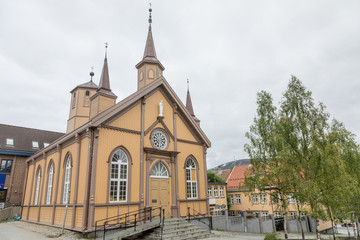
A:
x: 147, y: 150
x: 217, y: 198
x: 16, y: 145
x: 257, y: 204
x: 224, y: 174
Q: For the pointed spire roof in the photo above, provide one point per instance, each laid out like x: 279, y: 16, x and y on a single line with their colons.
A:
x: 150, y: 53
x: 189, y: 106
x: 104, y: 85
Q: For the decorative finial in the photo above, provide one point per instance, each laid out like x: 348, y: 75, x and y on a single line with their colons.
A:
x: 188, y: 85
x: 150, y: 10
x: 106, y: 46
x: 92, y: 73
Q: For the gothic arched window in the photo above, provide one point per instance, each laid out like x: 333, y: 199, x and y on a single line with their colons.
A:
x: 50, y: 183
x: 159, y: 170
x: 119, y: 176
x: 37, y: 186
x: 67, y: 180
x: 191, y: 182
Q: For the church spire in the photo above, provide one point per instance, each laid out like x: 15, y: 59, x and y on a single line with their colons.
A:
x: 105, y: 80
x: 189, y: 105
x: 149, y: 68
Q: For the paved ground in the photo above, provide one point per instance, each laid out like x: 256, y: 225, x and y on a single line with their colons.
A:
x: 22, y: 230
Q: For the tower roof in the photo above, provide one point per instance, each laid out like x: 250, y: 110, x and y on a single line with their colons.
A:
x: 150, y: 53
x: 189, y: 105
x: 104, y: 85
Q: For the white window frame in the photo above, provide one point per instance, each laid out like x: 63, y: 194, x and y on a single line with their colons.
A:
x: 67, y: 180
x: 290, y: 199
x: 222, y: 192
x: 210, y: 192
x: 35, y: 144
x: 9, y: 141
x: 231, y: 199
x: 238, y: 198
x: 292, y: 215
x: 191, y: 185
x: 119, y: 172
x: 255, y: 198
x: 277, y: 214
x: 263, y: 199
x: 50, y: 183
x: 159, y: 170
x: 37, y: 187
x: 216, y: 192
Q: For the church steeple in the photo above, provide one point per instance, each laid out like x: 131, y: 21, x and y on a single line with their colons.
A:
x: 189, y: 105
x: 104, y: 98
x: 149, y: 68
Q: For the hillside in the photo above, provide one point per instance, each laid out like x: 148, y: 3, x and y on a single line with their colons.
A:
x: 230, y: 165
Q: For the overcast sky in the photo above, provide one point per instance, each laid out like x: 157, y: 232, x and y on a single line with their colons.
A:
x: 230, y: 50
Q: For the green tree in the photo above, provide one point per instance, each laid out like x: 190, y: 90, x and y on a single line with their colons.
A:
x: 213, y: 177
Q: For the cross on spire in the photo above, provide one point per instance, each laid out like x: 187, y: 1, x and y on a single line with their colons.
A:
x: 106, y: 46
x: 150, y: 10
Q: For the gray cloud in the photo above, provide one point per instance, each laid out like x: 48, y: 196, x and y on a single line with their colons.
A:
x: 230, y: 50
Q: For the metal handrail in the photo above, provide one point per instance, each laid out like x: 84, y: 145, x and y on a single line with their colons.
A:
x: 199, y: 214
x: 126, y: 220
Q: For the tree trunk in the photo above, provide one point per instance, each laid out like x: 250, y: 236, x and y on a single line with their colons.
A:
x: 318, y: 237
x: 299, y: 219
x: 332, y: 224
x: 284, y: 214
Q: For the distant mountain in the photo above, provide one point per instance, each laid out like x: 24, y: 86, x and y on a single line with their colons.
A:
x: 231, y: 165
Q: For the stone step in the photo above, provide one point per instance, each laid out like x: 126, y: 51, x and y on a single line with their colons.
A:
x: 188, y: 236
x: 157, y: 232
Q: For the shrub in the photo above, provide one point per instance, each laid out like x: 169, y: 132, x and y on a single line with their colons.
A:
x: 271, y: 236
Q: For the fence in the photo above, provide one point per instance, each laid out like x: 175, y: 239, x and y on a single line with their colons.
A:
x: 258, y: 225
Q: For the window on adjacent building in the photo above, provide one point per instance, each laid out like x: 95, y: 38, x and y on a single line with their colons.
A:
x: 210, y: 191
x: 10, y: 141
x: 35, y: 144
x: 277, y: 214
x: 191, y: 184
x: 302, y: 214
x: 119, y: 176
x: 290, y: 199
x: 292, y: 215
x: 5, y: 166
x: 265, y: 215
x: 257, y: 214
x: 238, y: 199
x: 263, y: 198
x: 275, y: 198
x: 232, y: 213
x: 238, y: 213
x: 231, y: 199
x: 50, y: 183
x: 255, y: 198
x: 46, y: 144
x: 216, y: 192
x: 222, y: 192
x: 37, y: 187
x: 67, y: 179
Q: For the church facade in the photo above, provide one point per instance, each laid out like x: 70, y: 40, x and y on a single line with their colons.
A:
x: 147, y: 150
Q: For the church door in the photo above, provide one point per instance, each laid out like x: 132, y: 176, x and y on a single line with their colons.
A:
x: 159, y: 187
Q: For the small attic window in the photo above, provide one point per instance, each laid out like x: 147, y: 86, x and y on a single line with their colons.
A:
x: 10, y: 141
x: 87, y: 93
x: 35, y: 144
x: 46, y: 144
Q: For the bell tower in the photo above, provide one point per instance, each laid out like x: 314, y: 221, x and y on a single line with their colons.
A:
x: 80, y: 104
x: 149, y: 68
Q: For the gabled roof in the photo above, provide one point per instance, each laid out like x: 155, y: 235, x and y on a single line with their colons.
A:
x: 237, y: 177
x: 158, y: 83
x: 23, y: 138
x: 224, y: 174
x: 88, y: 84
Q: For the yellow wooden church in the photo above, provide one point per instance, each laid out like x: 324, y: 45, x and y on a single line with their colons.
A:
x: 147, y: 150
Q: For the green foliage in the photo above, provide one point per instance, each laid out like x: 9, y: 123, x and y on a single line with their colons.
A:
x: 271, y: 236
x: 213, y: 177
x: 296, y: 149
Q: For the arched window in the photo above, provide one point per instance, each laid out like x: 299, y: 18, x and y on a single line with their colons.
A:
x: 119, y: 176
x: 67, y: 179
x: 50, y: 183
x: 151, y: 74
x: 159, y: 170
x: 87, y: 98
x: 37, y: 186
x: 74, y: 99
x: 191, y: 184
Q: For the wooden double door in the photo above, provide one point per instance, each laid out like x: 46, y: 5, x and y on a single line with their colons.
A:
x: 159, y: 193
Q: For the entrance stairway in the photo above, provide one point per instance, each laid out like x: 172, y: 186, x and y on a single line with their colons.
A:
x: 175, y: 228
